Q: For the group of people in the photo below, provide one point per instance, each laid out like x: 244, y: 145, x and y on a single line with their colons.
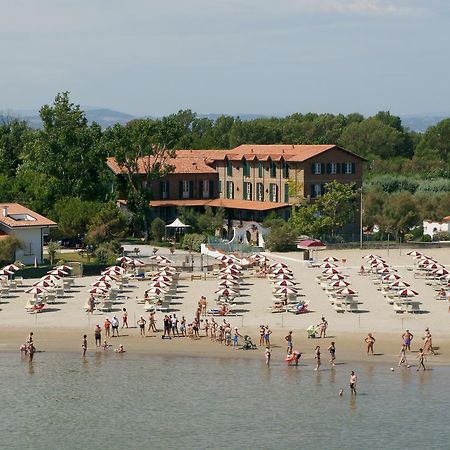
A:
x: 28, y: 347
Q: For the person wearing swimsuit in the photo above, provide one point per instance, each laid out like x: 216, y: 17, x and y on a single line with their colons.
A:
x: 407, y: 338
x: 353, y: 380
x: 124, y: 318
x: 421, y: 357
x: 332, y: 350
x: 84, y: 345
x: 317, y: 357
x: 370, y: 340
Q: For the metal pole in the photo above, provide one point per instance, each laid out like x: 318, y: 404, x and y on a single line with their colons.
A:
x: 388, y: 243
x: 361, y: 221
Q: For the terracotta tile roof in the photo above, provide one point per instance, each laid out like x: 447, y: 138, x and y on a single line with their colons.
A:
x: 184, y: 202
x: 17, y: 216
x: 245, y: 204
x: 289, y: 152
x: 186, y: 161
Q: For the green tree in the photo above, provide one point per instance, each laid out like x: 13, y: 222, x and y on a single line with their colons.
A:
x: 108, y: 224
x: 158, y: 228
x: 435, y: 142
x: 282, y: 238
x: 52, y: 249
x: 8, y: 248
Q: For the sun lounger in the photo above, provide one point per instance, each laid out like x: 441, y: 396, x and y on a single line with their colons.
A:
x: 105, y: 306
x: 19, y: 281
x: 413, y: 307
x: 50, y: 298
x: 338, y: 307
x: 59, y: 292
x: 149, y: 306
x: 399, y: 307
x: 164, y: 306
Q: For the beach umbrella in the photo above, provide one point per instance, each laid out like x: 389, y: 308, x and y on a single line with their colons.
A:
x: 136, y: 262
x: 164, y: 278
x: 283, y: 276
x: 255, y: 256
x: 441, y: 271
x: 11, y: 268
x: 286, y: 290
x: 330, y: 259
x: 339, y: 284
x: 335, y: 277
x: 433, y: 266
x: 36, y: 290
x: 375, y: 261
x: 284, y: 283
x: 414, y: 253
x: 226, y: 292
x: 124, y: 259
x: 264, y: 259
x: 380, y: 266
x: 97, y: 291
x: 6, y: 272
x: 159, y: 284
x: 407, y: 293
x: 371, y: 256
x: 391, y: 277
x: 116, y: 269
x: 58, y: 272
x: 101, y: 284
x: 228, y: 276
x: 345, y: 291
x: 230, y: 271
x: 53, y: 278
x: 163, y: 260
x: 227, y: 283
x: 282, y: 270
x: 327, y: 265
x: 399, y: 284
x: 330, y: 271
x: 235, y: 266
x: 425, y: 262
x: 107, y: 278
x: 278, y: 265
x: 168, y: 269
x: 64, y: 267
x: 222, y: 257
x: 43, y: 283
x: 155, y: 291
x: 386, y: 270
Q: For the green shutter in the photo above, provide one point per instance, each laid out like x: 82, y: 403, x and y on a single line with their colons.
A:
x: 338, y: 168
x: 328, y: 168
x: 244, y: 193
x: 211, y: 188
x: 286, y: 193
x: 180, y: 189
x: 191, y: 189
x: 353, y: 167
x: 313, y: 167
x: 220, y: 186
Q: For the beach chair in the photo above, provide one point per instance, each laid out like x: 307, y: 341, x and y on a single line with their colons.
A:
x: 50, y: 298
x: 29, y: 305
x: 399, y: 307
x: 164, y: 307
x: 19, y: 281
x: 149, y: 306
x: 413, y: 307
x: 105, y: 306
x: 352, y: 306
x: 59, y: 291
x: 338, y: 307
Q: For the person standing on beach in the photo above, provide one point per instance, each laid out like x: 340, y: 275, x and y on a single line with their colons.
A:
x: 317, y: 357
x: 29, y: 341
x: 107, y: 326
x: 31, y: 351
x: 124, y: 318
x: 288, y: 339
x: 421, y: 358
x: 213, y: 329
x: 402, y: 361
x: 261, y: 335
x: 183, y: 326
x: 267, y: 333
x: 267, y: 354
x: 236, y: 336
x: 84, y: 345
x: 428, y: 343
x: 332, y: 350
x: 370, y: 340
x: 407, y: 337
x: 115, y: 326
x: 141, y: 323
x: 353, y: 381
x: 206, y: 327
x: 152, y: 322
x: 98, y: 335
x: 323, y: 325
x: 175, y: 325
x: 91, y: 304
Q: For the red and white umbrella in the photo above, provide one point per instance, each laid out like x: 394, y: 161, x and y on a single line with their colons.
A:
x: 414, y: 253
x: 330, y: 271
x: 386, y: 270
x: 163, y: 273
x: 36, y: 290
x: 330, y: 259
x: 53, y: 278
x: 335, y: 277
x: 124, y: 259
x: 345, y: 291
x: 136, y: 262
x: 58, y: 272
x: 391, y: 277
x: 380, y: 266
x: 64, y: 267
x: 399, y: 285
x: 339, y: 284
x: 285, y: 283
x: 6, y: 272
x: 107, y: 278
x: 255, y: 256
x: 407, y: 293
x: 370, y: 256
x: 226, y: 292
x: 160, y: 284
x: 263, y: 259
x: 282, y: 270
x: 97, y: 291
x: 425, y: 262
x: 163, y: 260
x: 441, y: 271
x: 283, y: 276
x: 166, y: 279
x: 286, y: 290
x: 228, y: 276
x: 229, y: 270
x: 278, y: 265
x: 376, y: 261
x: 227, y: 283
x: 11, y: 268
x: 433, y: 266
x: 44, y: 283
x: 168, y: 269
x: 327, y: 265
x: 102, y: 284
x: 116, y: 269
x: 155, y: 291
x: 235, y: 266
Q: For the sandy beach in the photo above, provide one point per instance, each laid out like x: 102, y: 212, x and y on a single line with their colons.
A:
x: 61, y: 327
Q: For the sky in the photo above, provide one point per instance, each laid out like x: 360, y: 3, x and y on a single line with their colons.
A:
x: 148, y: 57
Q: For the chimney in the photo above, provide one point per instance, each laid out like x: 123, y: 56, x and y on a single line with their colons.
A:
x: 5, y: 211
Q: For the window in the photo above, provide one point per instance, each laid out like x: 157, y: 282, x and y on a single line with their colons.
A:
x: 260, y: 169
x: 164, y: 189
x: 247, y: 194
x: 229, y: 168
x: 205, y: 188
x: 286, y: 193
x: 246, y: 168
x: 332, y: 168
x: 185, y: 190
x: 317, y: 189
x: 260, y: 192
x: 220, y: 186
x: 285, y: 170
x: 348, y: 168
x: 230, y: 189
x: 273, y: 169
x: 273, y: 192
x: 317, y: 168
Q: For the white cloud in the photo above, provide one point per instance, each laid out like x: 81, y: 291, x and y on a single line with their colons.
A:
x: 365, y: 7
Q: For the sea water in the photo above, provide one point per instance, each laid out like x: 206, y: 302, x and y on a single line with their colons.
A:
x: 113, y: 401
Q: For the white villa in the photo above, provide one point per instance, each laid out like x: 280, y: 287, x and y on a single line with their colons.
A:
x: 430, y: 227
x: 29, y: 227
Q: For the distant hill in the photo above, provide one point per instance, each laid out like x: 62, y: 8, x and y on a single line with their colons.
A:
x: 108, y: 117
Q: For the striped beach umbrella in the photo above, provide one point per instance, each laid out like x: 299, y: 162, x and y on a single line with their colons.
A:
x: 278, y: 265
x: 386, y: 270
x: 101, y: 284
x: 286, y: 290
x: 370, y: 256
x: 283, y: 276
x: 36, y: 290
x: 339, y: 284
x: 97, y: 291
x: 107, y: 278
x: 282, y: 270
x: 156, y: 291
x: 53, y: 278
x: 407, y: 293
x: 230, y: 271
x: 399, y: 285
x: 441, y: 271
x: 64, y: 267
x: 166, y: 279
x: 228, y: 276
x: 330, y: 271
x: 44, y: 283
x: 284, y: 283
x: 391, y: 277
x: 227, y: 283
x: 335, y: 277
x: 159, y: 284
x: 414, y: 254
x: 330, y: 259
x: 235, y: 266
x: 125, y: 259
x: 11, y: 268
x: 58, y: 272
x: 346, y: 291
x: 6, y: 272
x: 433, y: 266
x: 226, y: 292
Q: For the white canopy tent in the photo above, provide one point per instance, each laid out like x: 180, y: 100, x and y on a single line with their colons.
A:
x: 178, y: 227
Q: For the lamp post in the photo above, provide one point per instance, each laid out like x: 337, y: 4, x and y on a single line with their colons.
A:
x: 361, y: 219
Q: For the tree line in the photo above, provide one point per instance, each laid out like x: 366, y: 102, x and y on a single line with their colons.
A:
x: 60, y: 169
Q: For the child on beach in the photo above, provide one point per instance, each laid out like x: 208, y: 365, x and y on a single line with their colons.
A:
x: 353, y: 381
x: 402, y: 361
x: 288, y: 339
x: 421, y: 358
x: 332, y: 350
x: 267, y: 354
x: 370, y: 340
x: 125, y: 318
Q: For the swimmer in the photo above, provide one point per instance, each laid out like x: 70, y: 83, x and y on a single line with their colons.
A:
x: 120, y: 349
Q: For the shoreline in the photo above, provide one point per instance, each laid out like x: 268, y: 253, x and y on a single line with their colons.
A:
x: 350, y: 346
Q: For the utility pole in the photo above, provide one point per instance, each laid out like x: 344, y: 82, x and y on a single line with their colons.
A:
x: 361, y: 220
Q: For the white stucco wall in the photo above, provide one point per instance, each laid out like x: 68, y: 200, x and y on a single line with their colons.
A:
x: 31, y: 238
x: 431, y: 228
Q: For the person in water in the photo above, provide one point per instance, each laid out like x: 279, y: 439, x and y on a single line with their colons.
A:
x: 120, y: 349
x: 370, y: 340
x: 353, y: 381
x: 317, y: 357
x: 84, y: 345
x: 421, y: 358
x: 332, y: 350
